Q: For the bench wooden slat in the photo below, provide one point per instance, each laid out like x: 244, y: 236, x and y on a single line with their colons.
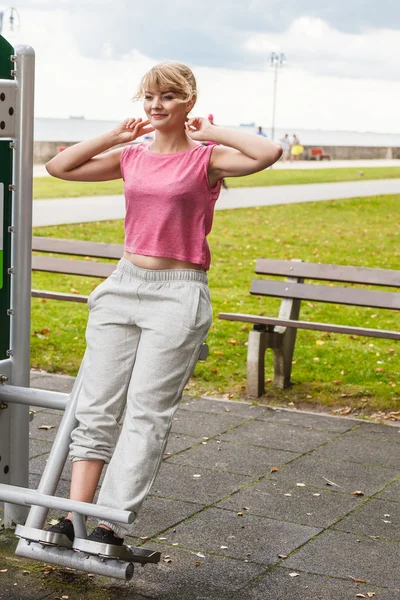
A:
x: 324, y: 293
x: 361, y: 331
x: 77, y: 247
x: 72, y: 267
x: 58, y: 296
x: 342, y: 273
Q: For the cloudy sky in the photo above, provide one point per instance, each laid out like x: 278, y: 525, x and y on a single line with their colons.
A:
x: 342, y: 69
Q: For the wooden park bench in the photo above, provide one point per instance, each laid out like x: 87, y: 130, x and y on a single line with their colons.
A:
x: 279, y: 333
x: 87, y: 268
x: 318, y: 154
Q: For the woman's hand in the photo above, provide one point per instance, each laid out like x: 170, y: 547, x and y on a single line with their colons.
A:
x: 198, y: 129
x: 130, y: 129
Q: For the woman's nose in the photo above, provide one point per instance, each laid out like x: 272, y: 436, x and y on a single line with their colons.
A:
x: 156, y: 102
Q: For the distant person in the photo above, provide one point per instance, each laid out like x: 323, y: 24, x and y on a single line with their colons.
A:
x: 261, y: 132
x: 296, y: 148
x: 285, y: 145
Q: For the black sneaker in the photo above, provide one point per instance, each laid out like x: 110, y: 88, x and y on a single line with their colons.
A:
x: 64, y: 526
x: 105, y: 536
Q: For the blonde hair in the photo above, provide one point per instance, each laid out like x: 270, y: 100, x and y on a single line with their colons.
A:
x: 169, y: 77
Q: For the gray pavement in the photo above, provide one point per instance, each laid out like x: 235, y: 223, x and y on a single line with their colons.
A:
x: 250, y: 503
x: 103, y: 208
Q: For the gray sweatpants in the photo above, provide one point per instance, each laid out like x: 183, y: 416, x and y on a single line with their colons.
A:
x: 144, y: 335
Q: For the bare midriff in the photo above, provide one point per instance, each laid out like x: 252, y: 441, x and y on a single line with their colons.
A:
x: 160, y: 263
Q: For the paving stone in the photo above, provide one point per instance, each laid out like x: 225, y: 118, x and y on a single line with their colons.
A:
x: 363, y: 450
x: 38, y: 447
x: 62, y: 488
x: 242, y: 409
x: 177, y: 443
x: 385, y: 433
x: 21, y: 584
x: 392, y: 492
x: 271, y: 499
x: 234, y: 458
x: 204, y: 424
x: 44, y: 419
x: 312, y: 420
x: 277, y: 584
x: 257, y: 539
x: 345, y: 555
x: 53, y: 382
x: 313, y: 471
x: 38, y: 464
x: 190, y: 577
x: 376, y: 517
x: 177, y: 482
x: 282, y: 437
x: 159, y: 514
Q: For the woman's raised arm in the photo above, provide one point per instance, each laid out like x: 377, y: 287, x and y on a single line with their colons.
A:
x: 91, y: 160
x: 240, y: 153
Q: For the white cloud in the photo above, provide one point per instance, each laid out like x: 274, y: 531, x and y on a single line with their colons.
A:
x: 69, y: 83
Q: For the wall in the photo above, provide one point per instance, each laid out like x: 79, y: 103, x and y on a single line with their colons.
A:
x: 44, y: 151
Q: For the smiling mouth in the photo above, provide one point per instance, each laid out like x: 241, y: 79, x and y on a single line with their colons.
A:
x: 158, y: 115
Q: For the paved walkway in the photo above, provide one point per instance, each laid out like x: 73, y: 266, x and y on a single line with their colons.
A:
x: 250, y: 503
x: 103, y: 208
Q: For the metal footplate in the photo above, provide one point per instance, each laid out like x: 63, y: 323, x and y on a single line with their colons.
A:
x: 125, y: 553
x: 47, y: 538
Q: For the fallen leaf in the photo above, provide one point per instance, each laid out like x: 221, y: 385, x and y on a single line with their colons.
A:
x: 196, y: 475
x: 293, y: 574
x: 360, y: 596
x: 282, y: 555
x: 301, y: 484
x: 274, y: 469
x: 358, y: 493
x: 224, y: 547
x: 46, y: 427
x: 3, y: 570
x: 197, y: 563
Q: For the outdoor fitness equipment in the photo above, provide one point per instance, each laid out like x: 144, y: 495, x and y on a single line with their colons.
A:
x: 16, y: 160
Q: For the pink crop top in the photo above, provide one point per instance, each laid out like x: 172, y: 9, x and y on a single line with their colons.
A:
x: 169, y: 203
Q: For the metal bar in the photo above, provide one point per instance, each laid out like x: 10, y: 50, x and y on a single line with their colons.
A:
x: 33, y: 397
x: 21, y: 277
x: 26, y: 497
x: 79, y: 525
x: 57, y: 457
x: 376, y: 333
x: 76, y: 560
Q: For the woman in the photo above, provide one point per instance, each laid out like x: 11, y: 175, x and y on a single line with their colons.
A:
x: 149, y: 319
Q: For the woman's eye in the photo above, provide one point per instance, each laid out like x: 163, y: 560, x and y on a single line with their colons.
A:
x: 147, y: 97
x: 168, y: 97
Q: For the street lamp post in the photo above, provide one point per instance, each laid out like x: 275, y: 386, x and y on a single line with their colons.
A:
x: 13, y: 18
x: 277, y: 60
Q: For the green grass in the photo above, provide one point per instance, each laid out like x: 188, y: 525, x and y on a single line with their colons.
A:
x: 49, y: 187
x: 331, y: 370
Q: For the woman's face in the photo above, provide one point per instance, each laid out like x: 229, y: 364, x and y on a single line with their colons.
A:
x: 164, y: 110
